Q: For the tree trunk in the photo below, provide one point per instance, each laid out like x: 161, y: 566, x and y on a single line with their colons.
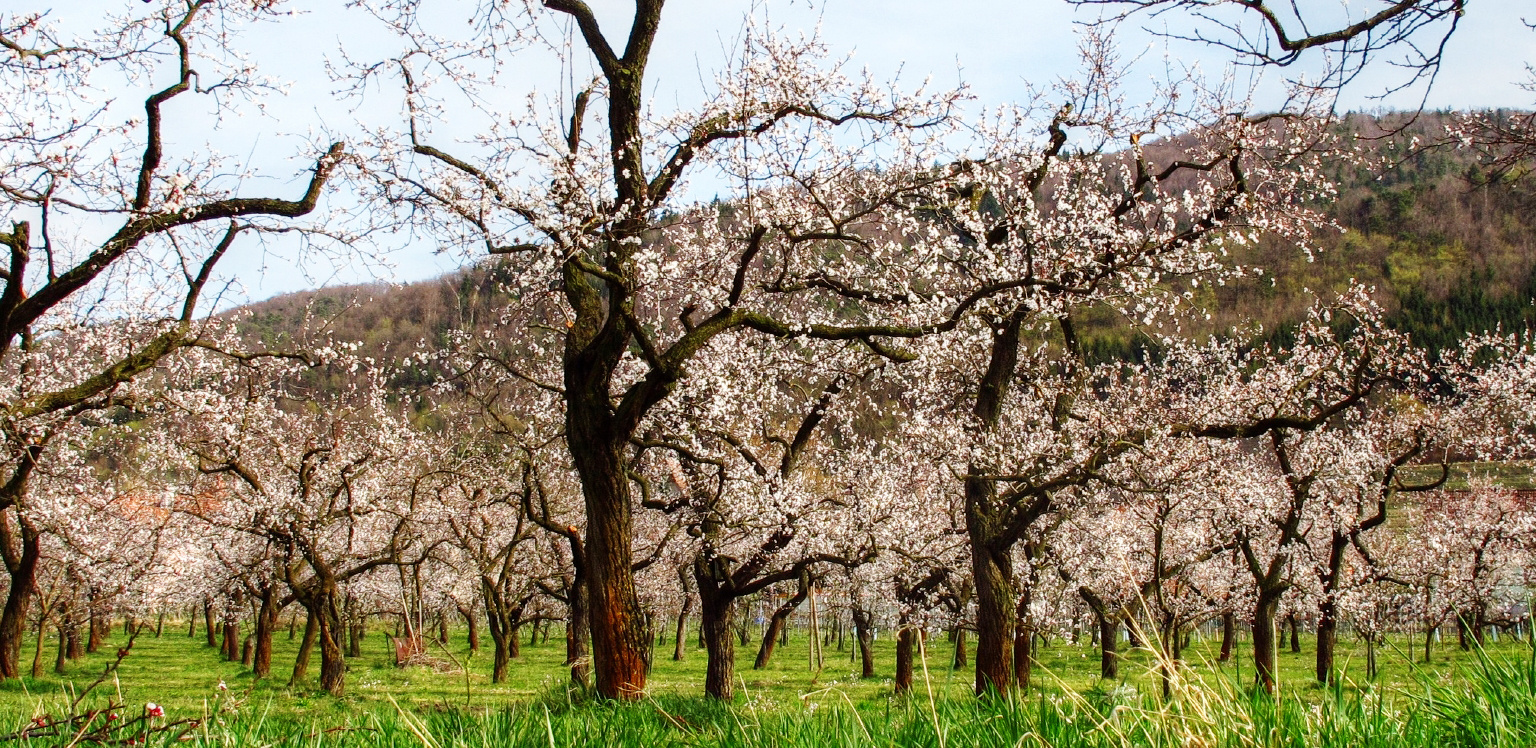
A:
x: 37, y: 654
x: 501, y: 629
x: 1265, y: 641
x: 13, y: 621
x: 208, y: 627
x: 307, y: 645
x: 864, y: 631
x: 503, y: 637
x: 615, y: 621
x: 95, y: 625
x: 682, y: 628
x: 1295, y: 624
x: 776, y: 625
x: 1023, y: 657
x: 266, y: 623
x: 962, y: 657
x: 230, y: 647
x: 993, y: 572
x: 906, y: 644
x: 473, y: 625
x: 63, y: 659
x: 328, y: 633
x: 1023, y: 643
x: 717, y: 614
x: 356, y: 630
x: 1109, y: 646
x: 1228, y: 635
x: 76, y: 645
x: 648, y: 652
x: 578, y: 634
x: 1327, y: 640
x: 1429, y: 640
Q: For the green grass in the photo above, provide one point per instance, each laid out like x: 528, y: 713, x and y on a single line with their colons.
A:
x: 1491, y: 710
x: 182, y: 675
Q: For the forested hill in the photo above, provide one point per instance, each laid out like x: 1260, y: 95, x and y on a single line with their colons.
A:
x: 1450, y: 247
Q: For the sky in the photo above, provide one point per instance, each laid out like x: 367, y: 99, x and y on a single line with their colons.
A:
x: 999, y: 48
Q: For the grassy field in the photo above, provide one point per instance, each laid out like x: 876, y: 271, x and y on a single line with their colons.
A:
x: 416, y: 703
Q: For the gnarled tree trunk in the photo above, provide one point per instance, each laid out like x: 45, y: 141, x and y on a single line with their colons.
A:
x: 22, y: 563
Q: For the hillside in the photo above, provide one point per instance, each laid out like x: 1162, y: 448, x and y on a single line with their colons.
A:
x: 1448, y: 249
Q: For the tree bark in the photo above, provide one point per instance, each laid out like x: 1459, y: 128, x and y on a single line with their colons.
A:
x: 60, y: 663
x: 1327, y: 639
x: 986, y: 521
x: 230, y: 646
x: 962, y: 656
x: 1228, y: 635
x: 306, y: 646
x: 37, y: 654
x: 473, y: 625
x: 717, y: 616
x: 1023, y: 643
x: 615, y: 621
x: 356, y: 630
x: 328, y: 634
x: 682, y: 628
x: 578, y: 634
x: 266, y: 623
x: 1265, y: 641
x: 906, y: 645
x: 95, y: 625
x: 1109, y: 646
x: 776, y: 625
x: 208, y: 625
x: 1023, y: 657
x: 76, y: 646
x: 993, y: 572
x: 22, y: 563
x: 864, y: 631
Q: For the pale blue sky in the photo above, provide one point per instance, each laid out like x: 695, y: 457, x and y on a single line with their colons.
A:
x: 998, y: 47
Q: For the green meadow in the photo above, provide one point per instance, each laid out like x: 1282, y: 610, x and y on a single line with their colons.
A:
x: 1473, y: 698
